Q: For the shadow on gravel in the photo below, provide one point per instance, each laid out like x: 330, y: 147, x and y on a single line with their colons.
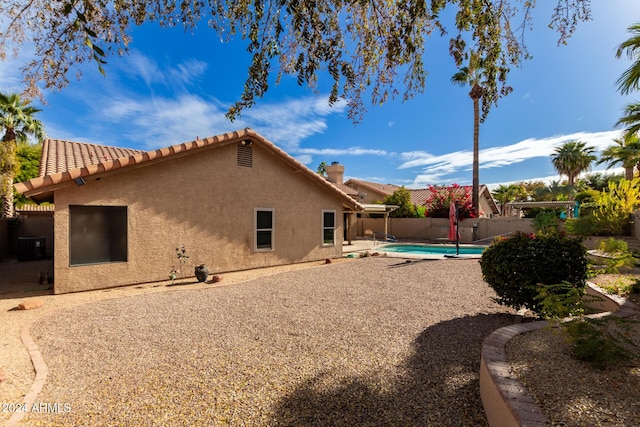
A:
x: 409, y: 262
x: 437, y: 385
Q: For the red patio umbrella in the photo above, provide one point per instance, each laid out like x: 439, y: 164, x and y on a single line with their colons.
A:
x: 453, y: 219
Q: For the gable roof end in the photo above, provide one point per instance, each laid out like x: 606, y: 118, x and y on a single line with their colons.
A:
x: 64, y: 161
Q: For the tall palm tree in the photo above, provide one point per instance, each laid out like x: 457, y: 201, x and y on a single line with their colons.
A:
x: 630, y: 120
x: 630, y: 80
x: 472, y: 75
x: 18, y: 122
x: 625, y: 151
x: 572, y: 158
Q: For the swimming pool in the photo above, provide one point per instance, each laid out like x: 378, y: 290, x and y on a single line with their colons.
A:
x: 431, y: 251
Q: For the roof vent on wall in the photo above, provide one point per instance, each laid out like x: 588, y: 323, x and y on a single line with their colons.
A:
x: 245, y: 154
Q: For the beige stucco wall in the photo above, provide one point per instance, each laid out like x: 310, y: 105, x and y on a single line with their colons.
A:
x: 438, y: 228
x: 206, y: 202
x: 486, y: 210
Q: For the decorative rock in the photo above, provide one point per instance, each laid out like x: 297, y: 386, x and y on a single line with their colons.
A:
x: 30, y: 304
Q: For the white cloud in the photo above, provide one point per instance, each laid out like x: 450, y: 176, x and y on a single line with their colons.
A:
x: 160, y: 121
x: 437, y: 169
x: 304, y: 159
x: 352, y: 151
x: 175, y: 113
x: 291, y: 121
x: 143, y: 67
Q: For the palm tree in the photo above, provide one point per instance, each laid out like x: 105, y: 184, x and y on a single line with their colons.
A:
x: 625, y: 151
x: 322, y: 168
x: 630, y: 79
x: 572, y: 158
x: 502, y: 195
x: 630, y: 120
x: 17, y: 121
x: 509, y: 193
x: 472, y: 75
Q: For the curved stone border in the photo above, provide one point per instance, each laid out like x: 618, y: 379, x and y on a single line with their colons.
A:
x: 41, y: 373
x: 505, y: 399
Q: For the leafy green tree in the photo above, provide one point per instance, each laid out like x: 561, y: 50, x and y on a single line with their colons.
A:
x: 401, y: 198
x: 18, y: 122
x: 572, y: 158
x: 473, y: 75
x: 625, y: 151
x: 366, y: 47
x: 598, y: 181
x: 29, y: 160
x: 615, y: 206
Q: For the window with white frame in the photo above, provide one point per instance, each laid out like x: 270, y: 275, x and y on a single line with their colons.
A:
x: 265, y: 219
x: 328, y: 227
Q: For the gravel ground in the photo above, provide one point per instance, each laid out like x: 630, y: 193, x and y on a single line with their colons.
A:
x: 370, y: 342
x: 573, y: 393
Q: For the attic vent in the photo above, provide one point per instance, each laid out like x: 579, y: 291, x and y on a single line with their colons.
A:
x: 245, y: 156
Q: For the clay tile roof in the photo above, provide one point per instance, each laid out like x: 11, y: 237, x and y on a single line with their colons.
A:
x: 419, y: 196
x: 61, y: 156
x: 62, y: 162
x: 387, y: 189
x: 345, y: 189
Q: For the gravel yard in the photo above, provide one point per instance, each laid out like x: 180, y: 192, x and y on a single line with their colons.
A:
x: 573, y: 393
x: 369, y: 342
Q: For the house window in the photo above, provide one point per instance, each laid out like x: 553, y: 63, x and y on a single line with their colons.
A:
x: 328, y: 227
x: 97, y: 234
x: 264, y: 229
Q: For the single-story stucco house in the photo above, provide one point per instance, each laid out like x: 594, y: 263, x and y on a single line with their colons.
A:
x: 235, y: 201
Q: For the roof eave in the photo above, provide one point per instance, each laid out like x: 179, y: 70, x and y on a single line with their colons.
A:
x: 42, y: 188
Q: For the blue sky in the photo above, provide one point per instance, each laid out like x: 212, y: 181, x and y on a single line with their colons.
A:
x: 173, y: 87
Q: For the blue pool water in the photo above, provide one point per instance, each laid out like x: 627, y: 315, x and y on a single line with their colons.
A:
x: 433, y: 249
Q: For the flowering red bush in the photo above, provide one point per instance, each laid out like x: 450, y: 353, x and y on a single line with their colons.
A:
x: 440, y: 199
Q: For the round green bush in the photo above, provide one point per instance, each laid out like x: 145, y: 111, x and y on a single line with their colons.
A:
x: 514, y: 266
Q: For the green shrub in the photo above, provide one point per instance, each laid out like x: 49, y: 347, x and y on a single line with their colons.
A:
x: 514, y: 266
x: 556, y: 302
x: 613, y: 246
x: 581, y: 226
x: 616, y: 205
x: 620, y: 257
x: 545, y: 221
x: 601, y: 342
x: 623, y: 286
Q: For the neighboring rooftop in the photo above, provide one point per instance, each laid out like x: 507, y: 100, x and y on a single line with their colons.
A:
x: 385, y: 189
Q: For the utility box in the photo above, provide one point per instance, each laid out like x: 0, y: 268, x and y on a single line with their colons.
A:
x: 31, y: 248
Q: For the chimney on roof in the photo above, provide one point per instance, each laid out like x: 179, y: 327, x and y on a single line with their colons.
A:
x: 335, y: 173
